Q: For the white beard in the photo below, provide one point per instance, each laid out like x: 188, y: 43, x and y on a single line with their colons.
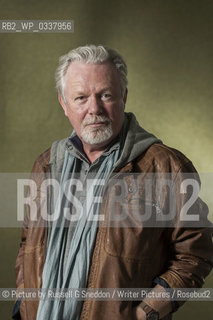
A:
x: 96, y: 135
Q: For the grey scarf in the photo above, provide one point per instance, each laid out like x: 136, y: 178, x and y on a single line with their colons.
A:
x: 81, y: 246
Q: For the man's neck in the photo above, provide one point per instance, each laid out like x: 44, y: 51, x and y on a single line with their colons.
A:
x: 93, y: 153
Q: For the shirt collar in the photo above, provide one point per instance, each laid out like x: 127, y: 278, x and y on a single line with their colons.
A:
x: 75, y: 146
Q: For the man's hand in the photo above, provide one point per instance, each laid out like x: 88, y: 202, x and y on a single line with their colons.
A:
x: 162, y: 306
x: 139, y: 314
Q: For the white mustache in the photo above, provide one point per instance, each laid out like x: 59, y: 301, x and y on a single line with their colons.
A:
x: 96, y: 119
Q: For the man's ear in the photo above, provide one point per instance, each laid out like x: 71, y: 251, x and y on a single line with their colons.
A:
x: 62, y: 103
x: 125, y: 97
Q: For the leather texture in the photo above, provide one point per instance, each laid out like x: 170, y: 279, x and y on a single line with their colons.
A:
x: 124, y: 256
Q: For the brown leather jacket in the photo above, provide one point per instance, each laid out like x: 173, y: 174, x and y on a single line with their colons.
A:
x: 127, y: 257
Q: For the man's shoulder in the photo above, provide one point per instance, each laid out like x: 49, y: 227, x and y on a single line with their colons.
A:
x: 163, y: 152
x: 165, y: 158
x: 42, y: 161
x: 52, y: 154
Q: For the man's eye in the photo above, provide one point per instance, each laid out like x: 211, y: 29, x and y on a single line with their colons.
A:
x: 80, y: 98
x: 106, y: 96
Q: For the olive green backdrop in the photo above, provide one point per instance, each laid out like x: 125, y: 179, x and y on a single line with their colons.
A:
x: 168, y: 47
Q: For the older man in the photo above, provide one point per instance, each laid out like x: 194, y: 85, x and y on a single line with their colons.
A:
x: 122, y: 253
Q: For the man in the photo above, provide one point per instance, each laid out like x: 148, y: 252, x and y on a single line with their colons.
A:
x: 109, y: 149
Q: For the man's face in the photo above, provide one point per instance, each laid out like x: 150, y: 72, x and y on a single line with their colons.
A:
x: 94, y: 104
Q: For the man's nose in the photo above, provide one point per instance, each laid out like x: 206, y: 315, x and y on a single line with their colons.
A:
x: 95, y: 105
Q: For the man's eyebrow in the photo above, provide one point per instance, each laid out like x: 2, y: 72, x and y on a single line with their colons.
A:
x: 79, y: 93
x: 106, y: 89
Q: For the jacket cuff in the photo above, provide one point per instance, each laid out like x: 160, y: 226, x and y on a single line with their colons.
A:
x: 163, y: 283
x: 16, y: 310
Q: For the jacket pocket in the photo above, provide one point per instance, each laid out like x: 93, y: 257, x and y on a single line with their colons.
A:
x: 131, y: 238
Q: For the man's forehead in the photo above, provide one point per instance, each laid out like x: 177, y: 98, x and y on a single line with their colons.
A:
x: 80, y: 74
x: 82, y: 87
x: 77, y: 68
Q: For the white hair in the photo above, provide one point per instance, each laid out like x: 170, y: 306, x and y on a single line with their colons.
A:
x: 90, y: 54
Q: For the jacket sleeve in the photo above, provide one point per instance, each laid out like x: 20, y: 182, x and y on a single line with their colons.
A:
x: 37, y: 175
x: 19, y: 260
x: 190, y: 242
